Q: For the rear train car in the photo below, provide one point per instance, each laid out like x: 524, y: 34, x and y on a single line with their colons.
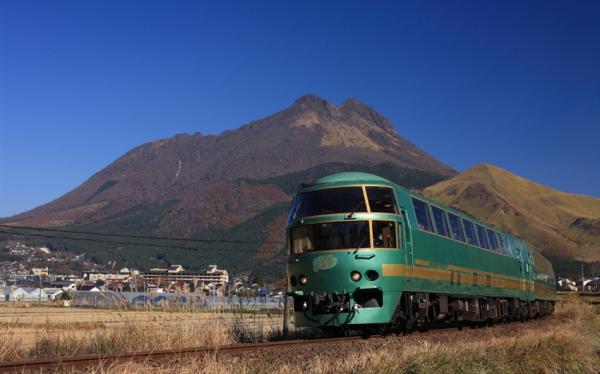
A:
x: 366, y: 253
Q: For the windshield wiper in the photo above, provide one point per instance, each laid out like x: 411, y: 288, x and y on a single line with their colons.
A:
x: 360, y: 244
x: 349, y: 216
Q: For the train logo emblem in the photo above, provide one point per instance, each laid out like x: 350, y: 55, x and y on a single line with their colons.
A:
x: 323, y: 263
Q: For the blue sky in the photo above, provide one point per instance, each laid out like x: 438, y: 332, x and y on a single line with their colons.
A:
x: 515, y: 84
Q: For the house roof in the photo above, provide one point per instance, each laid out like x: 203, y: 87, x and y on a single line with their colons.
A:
x: 87, y: 287
x: 52, y: 290
x: 27, y: 289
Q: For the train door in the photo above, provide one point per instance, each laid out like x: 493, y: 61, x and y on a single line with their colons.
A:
x: 519, y: 251
x: 525, y: 267
x: 529, y: 272
x: 407, y: 246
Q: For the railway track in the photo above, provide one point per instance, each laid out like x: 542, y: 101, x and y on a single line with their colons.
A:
x: 95, y: 360
x: 106, y: 359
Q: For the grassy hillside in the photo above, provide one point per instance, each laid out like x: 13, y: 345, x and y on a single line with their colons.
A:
x: 563, y: 226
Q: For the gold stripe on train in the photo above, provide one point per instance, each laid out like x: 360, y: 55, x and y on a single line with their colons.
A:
x: 457, y: 275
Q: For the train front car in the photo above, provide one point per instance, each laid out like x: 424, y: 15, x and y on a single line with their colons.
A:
x: 341, y: 229
x: 367, y: 253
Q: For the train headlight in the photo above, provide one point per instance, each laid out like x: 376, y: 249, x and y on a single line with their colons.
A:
x: 372, y: 275
x: 303, y: 280
x: 355, y: 275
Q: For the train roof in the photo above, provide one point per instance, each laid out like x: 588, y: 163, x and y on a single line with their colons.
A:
x: 368, y: 178
x: 353, y: 176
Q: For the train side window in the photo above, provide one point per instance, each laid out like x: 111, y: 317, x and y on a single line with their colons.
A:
x: 456, y: 228
x: 384, y: 234
x: 382, y: 200
x: 502, y: 244
x: 422, y: 213
x: 492, y: 240
x: 482, y: 237
x: 441, y: 224
x: 470, y: 232
x: 509, y: 250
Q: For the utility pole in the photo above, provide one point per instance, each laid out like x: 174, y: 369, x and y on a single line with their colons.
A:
x: 285, y: 311
x: 582, y: 278
x: 286, y: 314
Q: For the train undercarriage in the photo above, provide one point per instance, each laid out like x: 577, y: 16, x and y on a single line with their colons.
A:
x: 423, y: 310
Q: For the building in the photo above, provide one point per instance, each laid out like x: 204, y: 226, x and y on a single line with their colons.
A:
x: 122, y: 280
x: 88, y: 287
x: 593, y: 286
x: 64, y: 284
x: 19, y: 276
x: 94, y: 275
x: 39, y: 272
x: 567, y: 284
x: 27, y: 294
x: 52, y: 293
x: 590, y: 285
x: 34, y: 294
x: 176, y: 274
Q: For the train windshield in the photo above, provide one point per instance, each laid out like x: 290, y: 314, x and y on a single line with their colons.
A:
x: 350, y: 235
x: 328, y: 201
x: 327, y: 236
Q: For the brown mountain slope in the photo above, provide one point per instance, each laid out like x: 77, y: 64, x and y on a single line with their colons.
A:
x: 561, y: 225
x: 194, y: 168
x: 193, y: 185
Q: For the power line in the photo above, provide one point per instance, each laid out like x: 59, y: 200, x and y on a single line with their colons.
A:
x: 142, y: 236
x: 98, y: 240
x: 103, y: 241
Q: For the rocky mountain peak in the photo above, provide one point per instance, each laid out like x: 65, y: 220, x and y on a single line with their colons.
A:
x: 315, y: 104
x: 311, y: 110
x: 355, y: 109
x: 310, y: 99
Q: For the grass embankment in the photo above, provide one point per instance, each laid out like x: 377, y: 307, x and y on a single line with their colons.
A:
x: 568, y: 341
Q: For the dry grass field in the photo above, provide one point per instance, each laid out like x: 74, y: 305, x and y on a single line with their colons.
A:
x: 31, y: 331
x: 568, y: 341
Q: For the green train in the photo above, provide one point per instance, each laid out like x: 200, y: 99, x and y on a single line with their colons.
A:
x: 370, y: 255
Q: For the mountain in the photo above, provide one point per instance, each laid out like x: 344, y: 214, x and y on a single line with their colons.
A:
x: 234, y: 185
x: 565, y: 227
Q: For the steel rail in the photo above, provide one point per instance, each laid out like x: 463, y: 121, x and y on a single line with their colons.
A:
x: 38, y: 365
x: 103, y: 359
